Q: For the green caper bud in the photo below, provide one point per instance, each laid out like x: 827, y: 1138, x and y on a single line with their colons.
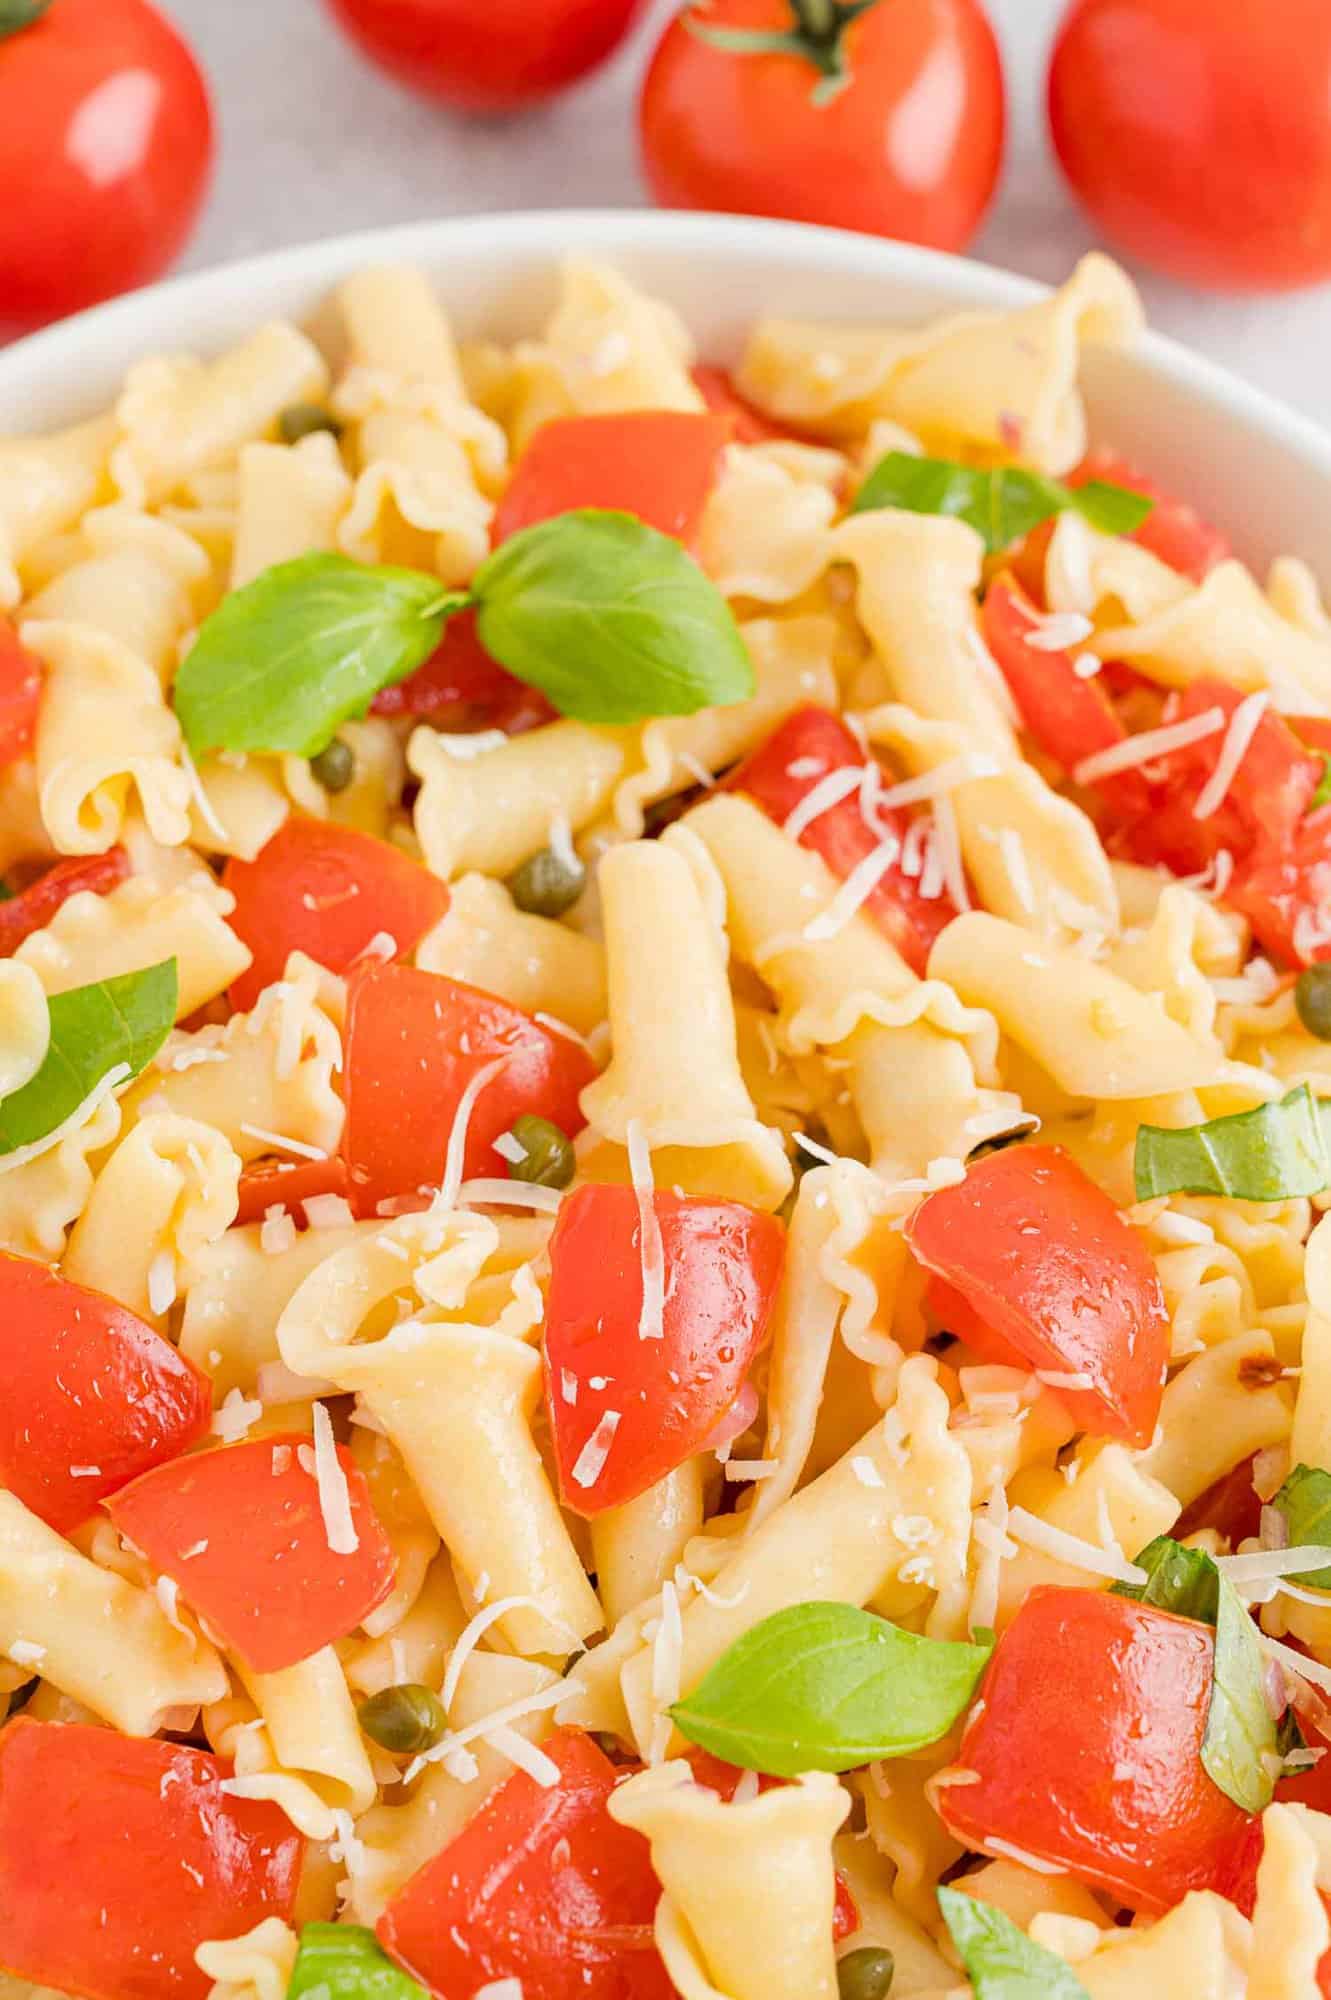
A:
x: 405, y: 1719
x: 865, y: 1974
x: 301, y: 420
x: 547, y: 883
x: 335, y: 765
x: 548, y: 1160
x: 1312, y: 997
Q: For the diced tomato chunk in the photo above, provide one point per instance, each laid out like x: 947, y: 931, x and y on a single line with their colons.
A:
x: 33, y: 908
x: 461, y: 688
x: 1086, y: 1750
x: 20, y: 695
x: 242, y: 1531
x: 807, y: 748
x: 1172, y: 530
x: 414, y: 1041
x: 652, y: 1402
x: 1232, y: 1507
x: 328, y: 891
x: 288, y: 1185
x: 542, y: 1886
x: 92, y: 1396
x: 120, y: 1856
x: 660, y: 465
x: 1046, y: 1264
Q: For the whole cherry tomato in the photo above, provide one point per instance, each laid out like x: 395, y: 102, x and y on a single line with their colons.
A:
x: 106, y: 144
x: 886, y: 117
x: 486, y: 55
x: 1198, y: 134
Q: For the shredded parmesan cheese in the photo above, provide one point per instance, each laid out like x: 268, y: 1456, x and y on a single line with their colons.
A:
x: 508, y: 1194
x: 279, y: 1143
x: 277, y: 1231
x: 527, y: 1757
x: 936, y: 784
x: 751, y: 1468
x: 25, y: 1652
x: 651, y: 1250
x: 858, y: 886
x: 472, y: 1634
x: 328, y: 1211
x: 1243, y: 726
x: 1062, y: 1378
x: 947, y: 842
x: 334, y: 1493
x: 590, y: 1462
x: 457, y: 1739
x: 992, y: 1845
x: 232, y: 1421
x: 1058, y: 631
x: 1150, y: 744
x: 1055, y: 1542
x: 510, y: 1148
x: 162, y: 1282
x: 1263, y: 1563
x: 821, y: 798
x: 464, y: 748
x: 455, y: 1153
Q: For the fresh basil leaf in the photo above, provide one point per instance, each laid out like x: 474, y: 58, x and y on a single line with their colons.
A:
x: 1182, y: 1580
x: 828, y: 1687
x: 1001, y: 505
x: 1272, y: 1153
x: 1305, y: 1502
x: 610, y: 619
x: 1323, y: 793
x: 1001, y: 1962
x: 348, y: 1963
x: 93, y: 1029
x: 1239, y: 1748
x: 283, y: 661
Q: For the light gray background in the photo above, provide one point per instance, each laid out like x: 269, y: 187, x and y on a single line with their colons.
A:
x: 315, y: 142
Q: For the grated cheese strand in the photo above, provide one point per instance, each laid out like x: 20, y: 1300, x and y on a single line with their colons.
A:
x: 1243, y: 726
x: 858, y: 886
x: 590, y: 1462
x: 334, y: 1493
x: 651, y: 1250
x: 1056, y: 1542
x: 526, y: 1756
x: 947, y: 842
x: 1150, y: 744
x: 472, y: 1634
x: 451, y: 1184
x: 821, y: 798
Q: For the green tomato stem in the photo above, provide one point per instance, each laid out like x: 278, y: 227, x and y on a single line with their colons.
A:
x: 819, y: 20
x: 15, y: 15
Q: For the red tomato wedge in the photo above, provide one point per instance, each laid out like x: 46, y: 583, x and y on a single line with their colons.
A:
x: 748, y: 425
x: 33, y: 908
x: 325, y: 890
x: 93, y: 1397
x: 20, y: 695
x: 807, y: 748
x: 1067, y: 717
x: 414, y: 1041
x: 1086, y: 1750
x: 119, y: 1856
x: 1232, y: 1507
x: 1055, y: 1279
x: 541, y: 1885
x: 461, y: 687
x: 658, y: 464
x: 723, y: 1778
x: 285, y: 1185
x: 722, y: 1267
x: 1172, y: 530
x: 242, y: 1533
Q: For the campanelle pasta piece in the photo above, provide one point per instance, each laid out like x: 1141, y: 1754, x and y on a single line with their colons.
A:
x: 1106, y: 578
x: 637, y: 1546
x: 903, y: 1824
x: 749, y: 1887
x: 237, y: 1291
x: 538, y: 964
x: 1227, y: 629
x: 764, y: 532
x: 1022, y: 1894
x: 919, y: 1967
x: 167, y: 1190
x: 1113, y: 1492
x: 134, y: 579
x: 235, y: 1730
x: 1202, y: 1948
x: 887, y: 1525
x: 490, y: 810
x: 399, y: 1839
x: 264, y: 1079
x: 25, y: 1026
x: 178, y: 415
x: 1312, y: 1406
x: 457, y: 1400
x: 1290, y: 1932
x: 671, y: 1016
x: 238, y: 805
x: 1187, y: 944
x: 402, y: 1514
x: 1220, y: 1408
x: 96, y: 1637
x: 416, y: 1645
x: 40, y: 1196
x: 136, y: 925
x: 290, y: 503
x: 255, y: 1966
x: 1095, y: 1034
x: 45, y: 484
x: 379, y: 773
x: 416, y: 500
x: 987, y: 384
x: 311, y: 1724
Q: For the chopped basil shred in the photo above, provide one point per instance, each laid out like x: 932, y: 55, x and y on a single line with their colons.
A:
x: 347, y: 1962
x: 93, y: 1029
x: 1001, y: 1962
x: 1001, y: 505
x: 1272, y: 1153
x: 828, y: 1687
x: 1305, y: 1502
x: 1240, y: 1749
x: 613, y: 621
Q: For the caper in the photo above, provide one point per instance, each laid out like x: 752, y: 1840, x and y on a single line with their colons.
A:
x: 548, y: 1158
x: 335, y: 765
x: 547, y: 883
x: 1312, y: 997
x: 865, y: 1974
x: 405, y: 1719
x: 301, y: 420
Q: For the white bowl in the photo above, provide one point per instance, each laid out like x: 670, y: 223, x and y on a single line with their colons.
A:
x: 1262, y: 472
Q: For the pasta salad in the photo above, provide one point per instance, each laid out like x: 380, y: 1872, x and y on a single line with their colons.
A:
x: 664, y: 1049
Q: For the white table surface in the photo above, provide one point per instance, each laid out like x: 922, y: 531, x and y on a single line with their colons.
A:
x: 315, y: 142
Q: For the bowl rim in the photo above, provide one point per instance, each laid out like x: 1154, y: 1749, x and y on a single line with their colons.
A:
x: 55, y: 351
